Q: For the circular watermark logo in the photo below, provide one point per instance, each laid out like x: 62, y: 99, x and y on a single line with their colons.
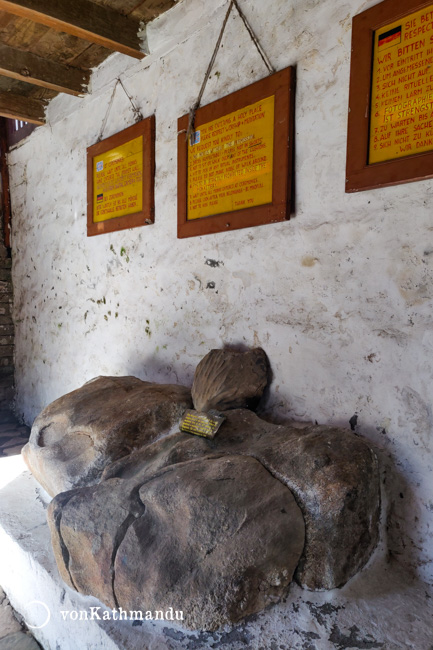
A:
x: 46, y: 614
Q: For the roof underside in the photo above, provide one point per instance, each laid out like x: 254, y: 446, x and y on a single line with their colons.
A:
x: 50, y: 46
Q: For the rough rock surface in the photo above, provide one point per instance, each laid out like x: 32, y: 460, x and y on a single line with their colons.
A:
x: 78, y: 435
x: 218, y: 538
x: 332, y: 472
x: 225, y: 379
x: 19, y: 641
x: 8, y: 623
x: 173, y: 525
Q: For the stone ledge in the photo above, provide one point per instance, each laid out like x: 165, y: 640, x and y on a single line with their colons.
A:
x: 376, y: 609
x: 8, y: 623
x: 19, y: 641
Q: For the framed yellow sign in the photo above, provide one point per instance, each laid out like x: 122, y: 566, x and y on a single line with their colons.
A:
x: 120, y: 180
x: 235, y: 171
x: 230, y: 161
x: 390, y: 125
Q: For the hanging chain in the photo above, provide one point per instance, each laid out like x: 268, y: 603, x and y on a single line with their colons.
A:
x: 191, y: 119
x: 135, y: 109
x: 192, y: 112
x: 138, y: 114
x: 108, y: 112
x: 254, y: 38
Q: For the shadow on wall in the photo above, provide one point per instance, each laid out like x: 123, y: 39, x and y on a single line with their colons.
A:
x: 399, y: 504
x: 400, y: 507
x: 151, y: 369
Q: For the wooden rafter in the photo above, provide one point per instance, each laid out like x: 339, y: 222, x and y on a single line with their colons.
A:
x: 18, y: 107
x: 83, y: 19
x: 41, y: 72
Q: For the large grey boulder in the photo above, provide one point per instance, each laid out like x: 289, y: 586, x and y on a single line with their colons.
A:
x: 79, y: 434
x: 332, y: 473
x: 186, y: 521
x: 226, y: 379
x: 218, y: 538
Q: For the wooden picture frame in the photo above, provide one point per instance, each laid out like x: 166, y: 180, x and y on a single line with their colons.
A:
x: 277, y: 94
x: 378, y: 102
x: 126, y: 162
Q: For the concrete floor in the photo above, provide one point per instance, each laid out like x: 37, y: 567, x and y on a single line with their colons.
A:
x: 13, y: 634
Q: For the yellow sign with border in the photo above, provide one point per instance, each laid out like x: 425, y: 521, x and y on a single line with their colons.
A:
x: 118, y: 181
x: 230, y: 161
x: 401, y: 122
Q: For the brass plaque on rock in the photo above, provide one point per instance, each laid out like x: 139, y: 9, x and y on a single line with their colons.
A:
x: 202, y: 424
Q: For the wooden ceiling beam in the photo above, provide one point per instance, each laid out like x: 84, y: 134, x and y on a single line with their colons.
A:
x: 38, y: 71
x: 18, y: 107
x: 83, y: 19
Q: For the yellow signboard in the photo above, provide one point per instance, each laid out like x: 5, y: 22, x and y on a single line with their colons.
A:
x: 118, y: 181
x: 230, y: 162
x: 401, y: 121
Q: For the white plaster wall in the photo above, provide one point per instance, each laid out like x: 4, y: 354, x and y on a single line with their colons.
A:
x: 340, y: 297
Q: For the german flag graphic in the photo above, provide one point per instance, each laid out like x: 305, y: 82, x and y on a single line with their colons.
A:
x: 99, y: 198
x: 387, y: 39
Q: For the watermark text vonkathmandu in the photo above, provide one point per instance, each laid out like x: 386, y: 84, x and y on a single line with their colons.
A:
x: 100, y: 614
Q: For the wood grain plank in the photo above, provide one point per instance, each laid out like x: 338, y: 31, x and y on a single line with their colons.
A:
x: 83, y: 19
x: 5, y: 19
x: 91, y: 57
x: 40, y: 39
x: 122, y: 6
x: 44, y: 94
x: 15, y: 87
x: 22, y: 33
x: 60, y: 47
x: 41, y: 72
x: 17, y: 107
x: 151, y: 9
